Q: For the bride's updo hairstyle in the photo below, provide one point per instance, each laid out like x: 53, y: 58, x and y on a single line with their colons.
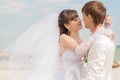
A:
x: 65, y: 17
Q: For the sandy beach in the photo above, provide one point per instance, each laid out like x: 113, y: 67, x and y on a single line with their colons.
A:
x: 116, y: 73
x: 5, y: 73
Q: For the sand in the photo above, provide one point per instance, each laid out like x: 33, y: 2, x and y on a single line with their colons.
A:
x: 116, y: 73
x: 5, y: 73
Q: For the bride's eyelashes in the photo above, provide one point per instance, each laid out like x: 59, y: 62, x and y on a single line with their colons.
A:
x: 75, y: 19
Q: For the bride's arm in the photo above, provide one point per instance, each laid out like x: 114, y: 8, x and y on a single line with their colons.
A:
x: 68, y: 42
x: 71, y: 44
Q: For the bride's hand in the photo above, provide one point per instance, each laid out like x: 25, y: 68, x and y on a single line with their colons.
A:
x: 107, y: 21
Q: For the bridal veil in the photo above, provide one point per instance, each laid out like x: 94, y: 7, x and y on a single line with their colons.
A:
x: 38, y: 47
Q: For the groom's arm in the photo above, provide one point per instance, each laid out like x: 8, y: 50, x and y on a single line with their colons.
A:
x: 96, y: 61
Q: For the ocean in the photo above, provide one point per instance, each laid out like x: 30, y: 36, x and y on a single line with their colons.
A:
x: 117, y: 53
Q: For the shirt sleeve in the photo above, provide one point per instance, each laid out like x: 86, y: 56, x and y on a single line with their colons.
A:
x: 96, y: 62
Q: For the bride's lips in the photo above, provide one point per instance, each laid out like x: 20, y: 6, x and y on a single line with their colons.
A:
x: 80, y: 24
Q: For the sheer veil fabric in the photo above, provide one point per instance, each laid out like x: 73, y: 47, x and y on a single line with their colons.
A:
x: 39, y: 47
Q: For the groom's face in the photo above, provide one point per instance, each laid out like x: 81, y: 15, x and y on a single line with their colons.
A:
x: 87, y: 21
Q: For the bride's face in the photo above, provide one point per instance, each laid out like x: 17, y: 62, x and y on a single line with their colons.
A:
x: 75, y: 24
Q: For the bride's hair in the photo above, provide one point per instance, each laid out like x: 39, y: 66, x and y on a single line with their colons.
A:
x: 65, y: 17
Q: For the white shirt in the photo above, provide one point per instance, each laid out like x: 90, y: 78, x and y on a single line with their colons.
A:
x: 100, y: 58
x: 100, y: 52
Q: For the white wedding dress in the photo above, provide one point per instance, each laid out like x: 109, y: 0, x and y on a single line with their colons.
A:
x: 72, y: 65
x: 71, y: 69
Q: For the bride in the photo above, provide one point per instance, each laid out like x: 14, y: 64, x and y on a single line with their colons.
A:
x: 42, y: 44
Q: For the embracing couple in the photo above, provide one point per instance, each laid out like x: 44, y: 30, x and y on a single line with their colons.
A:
x: 99, y: 48
x: 55, y: 35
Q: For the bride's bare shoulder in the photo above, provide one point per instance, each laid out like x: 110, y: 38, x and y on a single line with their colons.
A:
x: 64, y: 37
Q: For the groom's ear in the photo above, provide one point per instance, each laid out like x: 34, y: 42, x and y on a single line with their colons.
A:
x: 90, y: 17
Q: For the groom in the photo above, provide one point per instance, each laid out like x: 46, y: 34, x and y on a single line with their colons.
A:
x: 100, y: 55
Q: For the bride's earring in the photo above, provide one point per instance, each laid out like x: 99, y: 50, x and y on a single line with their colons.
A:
x: 68, y: 31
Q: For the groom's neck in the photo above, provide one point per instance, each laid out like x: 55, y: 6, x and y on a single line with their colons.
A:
x: 95, y: 28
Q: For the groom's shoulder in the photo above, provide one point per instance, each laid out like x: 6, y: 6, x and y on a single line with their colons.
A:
x: 102, y: 39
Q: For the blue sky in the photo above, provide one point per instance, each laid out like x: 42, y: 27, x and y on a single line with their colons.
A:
x: 16, y: 16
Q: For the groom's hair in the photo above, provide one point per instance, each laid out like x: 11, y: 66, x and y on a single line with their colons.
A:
x: 97, y: 11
